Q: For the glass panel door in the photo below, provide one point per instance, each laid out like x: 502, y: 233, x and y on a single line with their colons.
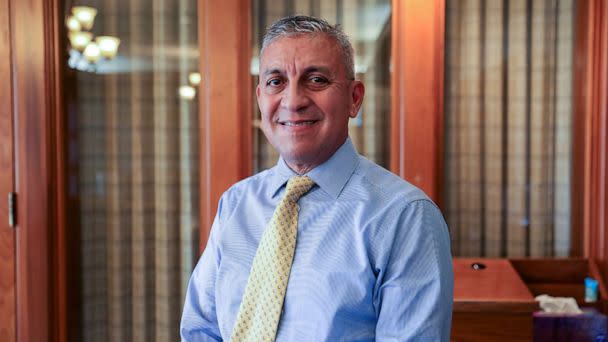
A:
x: 508, y: 115
x: 133, y: 165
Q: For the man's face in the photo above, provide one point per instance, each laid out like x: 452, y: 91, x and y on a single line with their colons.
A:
x: 306, y: 98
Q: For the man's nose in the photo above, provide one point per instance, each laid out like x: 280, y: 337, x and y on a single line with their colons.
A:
x: 295, y: 98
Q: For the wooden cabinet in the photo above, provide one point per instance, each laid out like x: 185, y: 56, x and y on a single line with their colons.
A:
x: 494, y: 300
x: 491, y: 303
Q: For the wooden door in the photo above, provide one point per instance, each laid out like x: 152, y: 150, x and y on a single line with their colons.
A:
x: 30, y: 261
x: 7, y: 184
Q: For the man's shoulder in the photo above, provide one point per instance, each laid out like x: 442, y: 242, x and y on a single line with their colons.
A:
x: 254, y: 182
x: 386, y: 186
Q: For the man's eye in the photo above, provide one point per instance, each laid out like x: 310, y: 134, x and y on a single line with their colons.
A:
x: 273, y: 82
x: 318, y: 80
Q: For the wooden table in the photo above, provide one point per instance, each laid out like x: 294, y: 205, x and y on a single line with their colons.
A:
x: 491, y: 304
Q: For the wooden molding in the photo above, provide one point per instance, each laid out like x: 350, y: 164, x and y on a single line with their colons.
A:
x: 62, y: 241
x: 595, y: 201
x: 36, y: 85
x: 225, y: 102
x: 7, y: 183
x: 578, y: 132
x: 31, y: 166
x: 590, y: 128
x: 417, y: 93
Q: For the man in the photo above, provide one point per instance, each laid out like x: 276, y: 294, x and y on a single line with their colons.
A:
x: 352, y: 252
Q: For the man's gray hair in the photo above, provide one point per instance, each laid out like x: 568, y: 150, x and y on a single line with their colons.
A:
x: 303, y: 25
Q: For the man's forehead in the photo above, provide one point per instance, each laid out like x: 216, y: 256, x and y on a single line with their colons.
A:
x: 318, y: 52
x: 305, y: 38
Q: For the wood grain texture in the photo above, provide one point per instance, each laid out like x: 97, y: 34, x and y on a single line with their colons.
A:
x: 498, y: 282
x: 7, y: 233
x: 417, y: 48
x: 490, y: 304
x: 495, y: 327
x: 34, y: 81
x: 225, y: 102
x: 590, y: 160
x: 596, y: 213
x: 551, y: 270
x: 561, y: 278
x: 497, y: 305
x: 579, y: 127
x: 64, y: 243
x: 596, y: 273
x: 603, y: 112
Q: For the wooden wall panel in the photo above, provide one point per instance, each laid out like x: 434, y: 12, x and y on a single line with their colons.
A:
x: 417, y: 92
x: 579, y: 128
x: 35, y: 51
x: 32, y: 159
x: 596, y: 202
x: 65, y: 242
x: 602, y: 107
x: 7, y: 233
x: 590, y: 129
x: 492, y: 326
x: 225, y: 101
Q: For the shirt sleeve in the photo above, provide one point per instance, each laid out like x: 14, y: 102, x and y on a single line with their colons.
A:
x: 415, y: 293
x: 199, y: 319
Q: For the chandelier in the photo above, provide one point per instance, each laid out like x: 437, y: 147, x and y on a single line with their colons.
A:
x: 87, y: 51
x: 188, y: 92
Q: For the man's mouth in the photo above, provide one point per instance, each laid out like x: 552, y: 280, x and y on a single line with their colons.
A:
x: 298, y: 123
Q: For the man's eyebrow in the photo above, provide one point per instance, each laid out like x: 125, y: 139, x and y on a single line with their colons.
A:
x: 315, y: 68
x: 307, y: 70
x: 272, y: 71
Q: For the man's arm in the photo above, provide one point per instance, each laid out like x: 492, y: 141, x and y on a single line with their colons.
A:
x: 415, y: 294
x: 199, y: 319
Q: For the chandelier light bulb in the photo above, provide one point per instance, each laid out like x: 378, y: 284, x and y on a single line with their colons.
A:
x: 108, y: 46
x: 92, y: 53
x: 73, y: 24
x: 80, y: 40
x: 187, y: 92
x: 194, y: 78
x: 85, y: 15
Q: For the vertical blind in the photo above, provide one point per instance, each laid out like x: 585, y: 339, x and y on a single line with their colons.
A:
x: 508, y: 116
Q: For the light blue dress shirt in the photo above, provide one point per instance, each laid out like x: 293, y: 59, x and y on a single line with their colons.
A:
x: 372, y: 259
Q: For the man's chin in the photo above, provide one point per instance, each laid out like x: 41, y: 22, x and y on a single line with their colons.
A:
x: 304, y: 162
x: 299, y: 158
x: 297, y: 151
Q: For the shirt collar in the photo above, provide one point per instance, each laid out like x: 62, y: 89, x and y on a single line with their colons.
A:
x: 331, y: 176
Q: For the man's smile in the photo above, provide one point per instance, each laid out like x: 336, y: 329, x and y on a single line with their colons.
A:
x: 297, y: 123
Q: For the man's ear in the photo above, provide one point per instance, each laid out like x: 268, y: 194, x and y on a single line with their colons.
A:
x: 257, y: 92
x: 358, y: 91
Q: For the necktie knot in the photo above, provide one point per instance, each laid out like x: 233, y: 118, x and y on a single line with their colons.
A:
x: 298, y: 186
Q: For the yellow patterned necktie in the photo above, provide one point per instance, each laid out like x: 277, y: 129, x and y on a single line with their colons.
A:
x: 260, y: 311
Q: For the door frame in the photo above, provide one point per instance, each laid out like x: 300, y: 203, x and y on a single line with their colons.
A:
x: 37, y: 56
x: 7, y: 182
